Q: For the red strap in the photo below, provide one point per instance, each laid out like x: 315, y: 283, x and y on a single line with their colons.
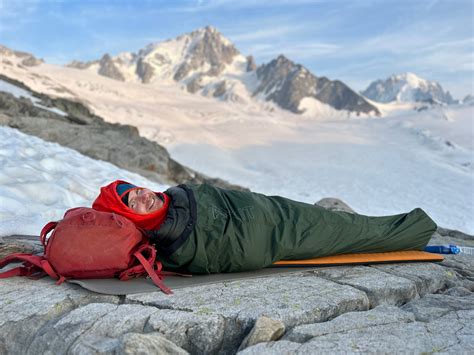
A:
x: 149, y: 269
x: 32, y: 259
x: 32, y: 264
x: 46, y: 229
x: 46, y: 266
x: 18, y: 271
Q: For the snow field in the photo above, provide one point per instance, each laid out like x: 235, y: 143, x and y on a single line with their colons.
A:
x: 39, y: 181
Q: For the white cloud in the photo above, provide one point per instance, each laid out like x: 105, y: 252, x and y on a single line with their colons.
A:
x: 264, y: 33
x: 16, y: 14
x: 14, y: 9
x: 294, y: 51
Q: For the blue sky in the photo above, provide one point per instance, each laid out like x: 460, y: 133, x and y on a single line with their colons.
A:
x: 354, y: 41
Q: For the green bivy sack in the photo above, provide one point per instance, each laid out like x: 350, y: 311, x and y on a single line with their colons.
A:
x: 240, y: 231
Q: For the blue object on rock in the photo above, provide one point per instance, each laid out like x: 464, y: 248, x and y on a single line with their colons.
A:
x: 443, y: 249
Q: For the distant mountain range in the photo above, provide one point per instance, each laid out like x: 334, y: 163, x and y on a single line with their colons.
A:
x: 206, y: 63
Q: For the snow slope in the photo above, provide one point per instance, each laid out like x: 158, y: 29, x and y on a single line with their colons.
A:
x: 39, y: 181
x: 379, y: 166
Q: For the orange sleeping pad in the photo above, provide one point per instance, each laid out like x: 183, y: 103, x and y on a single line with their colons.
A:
x: 364, y: 258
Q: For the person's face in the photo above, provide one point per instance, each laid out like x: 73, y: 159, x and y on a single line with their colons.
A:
x: 144, y: 201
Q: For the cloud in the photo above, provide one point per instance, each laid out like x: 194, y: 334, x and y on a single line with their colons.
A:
x: 14, y: 15
x: 14, y: 9
x: 266, y: 33
x: 295, y: 51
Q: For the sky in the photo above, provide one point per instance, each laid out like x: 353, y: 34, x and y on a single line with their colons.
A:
x: 355, y: 41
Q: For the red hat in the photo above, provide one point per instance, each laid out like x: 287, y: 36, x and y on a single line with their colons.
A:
x: 110, y: 201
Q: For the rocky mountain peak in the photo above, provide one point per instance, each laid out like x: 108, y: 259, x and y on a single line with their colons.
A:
x: 206, y: 48
x: 288, y: 84
x: 109, y: 69
x: 251, y: 65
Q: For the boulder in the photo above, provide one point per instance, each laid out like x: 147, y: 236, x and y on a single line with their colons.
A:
x: 334, y: 204
x: 153, y: 343
x: 264, y: 330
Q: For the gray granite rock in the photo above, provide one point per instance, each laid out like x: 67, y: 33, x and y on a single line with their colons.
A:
x: 276, y: 348
x: 455, y: 234
x: 451, y: 333
x: 436, y: 305
x: 29, y: 306
x: 427, y: 277
x: 99, y: 327
x: 296, y: 299
x: 381, y: 315
x: 264, y: 330
x: 153, y: 343
x: 334, y: 204
x: 195, y: 332
x: 457, y: 292
x: 380, y: 287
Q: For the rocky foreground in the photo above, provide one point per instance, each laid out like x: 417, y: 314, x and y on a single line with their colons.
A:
x: 390, y: 308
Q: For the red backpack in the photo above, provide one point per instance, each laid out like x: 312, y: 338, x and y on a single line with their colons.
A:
x: 88, y: 244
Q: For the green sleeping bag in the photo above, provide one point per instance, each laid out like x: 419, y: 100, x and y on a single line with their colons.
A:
x: 238, y: 231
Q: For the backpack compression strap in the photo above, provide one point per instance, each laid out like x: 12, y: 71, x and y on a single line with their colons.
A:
x: 157, y: 280
x: 147, y: 266
x: 32, y: 265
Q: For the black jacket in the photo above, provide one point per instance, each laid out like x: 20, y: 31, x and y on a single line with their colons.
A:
x: 179, y: 222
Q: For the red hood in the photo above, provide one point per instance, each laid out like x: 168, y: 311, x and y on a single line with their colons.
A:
x: 109, y: 201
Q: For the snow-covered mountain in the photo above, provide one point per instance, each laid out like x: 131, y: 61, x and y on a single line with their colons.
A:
x: 468, y: 100
x: 206, y: 62
x: 291, y: 85
x: 407, y: 87
x: 23, y: 58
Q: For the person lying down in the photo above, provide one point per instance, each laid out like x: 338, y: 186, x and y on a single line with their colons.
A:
x: 206, y: 229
